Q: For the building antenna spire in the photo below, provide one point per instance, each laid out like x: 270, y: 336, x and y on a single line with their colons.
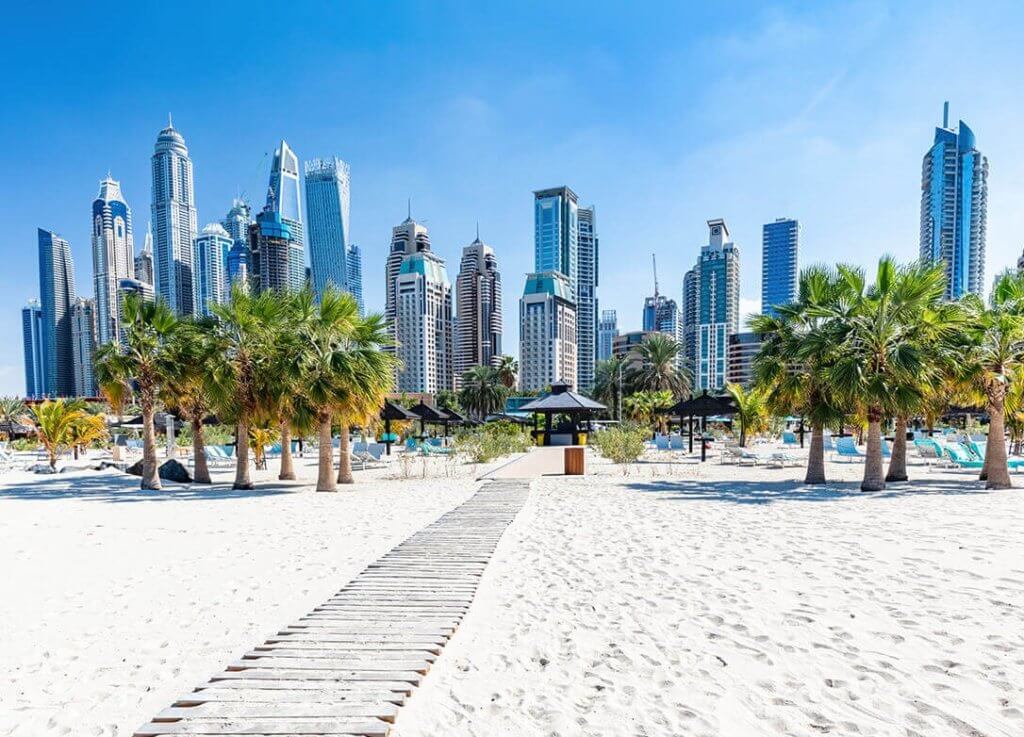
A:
x: 409, y: 208
x: 478, y: 230
x: 170, y: 123
x: 945, y: 114
x: 654, y: 263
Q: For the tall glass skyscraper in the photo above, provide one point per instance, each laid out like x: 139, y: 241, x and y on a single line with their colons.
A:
x: 556, y: 233
x: 57, y: 296
x: 174, y: 218
x: 478, y: 322
x: 113, y: 255
x: 285, y: 200
x: 780, y: 248
x: 144, y: 261
x: 607, y: 329
x: 83, y: 345
x: 717, y: 275
x: 32, y: 343
x: 354, y: 268
x: 586, y: 298
x: 954, y: 205
x: 212, y: 246
x: 327, y: 207
x: 238, y: 220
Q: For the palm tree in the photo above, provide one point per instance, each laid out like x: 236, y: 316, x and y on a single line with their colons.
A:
x: 796, y: 351
x: 283, y: 382
x: 508, y: 370
x: 643, y: 407
x: 656, y: 367
x: 881, y: 343
x: 483, y: 392
x: 187, y: 390
x: 244, y: 340
x: 608, y: 381
x: 994, y: 362
x: 54, y: 420
x: 85, y: 430
x: 142, y: 359
x: 751, y: 412
x: 12, y: 411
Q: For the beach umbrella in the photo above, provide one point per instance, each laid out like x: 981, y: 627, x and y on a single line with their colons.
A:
x: 393, y: 412
x: 703, y: 405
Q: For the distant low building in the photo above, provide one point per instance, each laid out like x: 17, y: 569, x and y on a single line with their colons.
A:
x: 743, y: 347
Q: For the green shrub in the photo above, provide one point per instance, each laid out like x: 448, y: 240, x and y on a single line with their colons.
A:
x: 22, y: 444
x: 623, y: 444
x: 493, y: 440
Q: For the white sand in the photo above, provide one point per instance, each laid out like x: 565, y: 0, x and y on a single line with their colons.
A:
x: 113, y: 603
x: 691, y: 605
x: 680, y: 600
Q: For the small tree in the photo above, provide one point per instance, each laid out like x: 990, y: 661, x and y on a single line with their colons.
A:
x: 623, y: 444
x: 751, y: 411
x: 54, y: 421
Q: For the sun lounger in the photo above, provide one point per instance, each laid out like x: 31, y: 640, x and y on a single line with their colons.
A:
x: 661, y: 443
x: 846, y: 447
x: 827, y: 443
x: 781, y: 459
x: 742, y: 456
x: 789, y: 438
x: 216, y: 457
x: 675, y: 442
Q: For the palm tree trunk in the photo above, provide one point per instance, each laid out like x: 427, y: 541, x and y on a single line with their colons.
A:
x: 898, y: 462
x: 874, y: 478
x: 816, y: 456
x: 345, y: 456
x: 287, y: 466
x: 995, y: 450
x: 242, y: 478
x: 325, y: 469
x: 201, y: 469
x: 150, y: 474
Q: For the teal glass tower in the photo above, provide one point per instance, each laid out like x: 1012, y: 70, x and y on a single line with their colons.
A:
x: 780, y: 266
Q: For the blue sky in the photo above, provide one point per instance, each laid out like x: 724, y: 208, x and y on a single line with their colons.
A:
x: 660, y: 114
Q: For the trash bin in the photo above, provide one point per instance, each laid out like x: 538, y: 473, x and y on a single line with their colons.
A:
x: 574, y: 461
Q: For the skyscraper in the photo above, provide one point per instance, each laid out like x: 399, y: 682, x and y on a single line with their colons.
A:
x: 607, y: 329
x: 32, y: 343
x: 478, y: 321
x: 285, y: 199
x: 327, y: 206
x: 113, y: 255
x: 556, y: 233
x: 423, y: 324
x: 690, y: 320
x: 174, y: 217
x: 271, y: 246
x: 57, y: 295
x: 663, y: 315
x: 547, y: 332
x: 144, y: 261
x: 83, y: 339
x: 586, y: 298
x: 954, y: 204
x: 239, y: 258
x: 407, y: 239
x: 238, y: 220
x: 354, y: 273
x: 780, y: 267
x: 211, y: 259
x: 717, y: 276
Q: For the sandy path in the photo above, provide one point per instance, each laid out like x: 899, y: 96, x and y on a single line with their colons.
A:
x: 113, y: 604
x: 672, y: 606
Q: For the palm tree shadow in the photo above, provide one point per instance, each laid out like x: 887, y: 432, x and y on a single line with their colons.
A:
x: 118, y: 488
x: 770, y: 492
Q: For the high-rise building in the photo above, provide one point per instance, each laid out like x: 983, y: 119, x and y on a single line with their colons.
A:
x: 35, y: 356
x: 83, y: 339
x: 423, y: 324
x: 144, y: 261
x: 211, y: 260
x: 690, y: 320
x: 271, y: 245
x: 238, y: 263
x: 327, y: 207
x: 718, y: 305
x: 954, y: 204
x: 238, y: 220
x: 556, y: 233
x: 586, y: 298
x: 57, y: 295
x: 285, y: 200
x: 780, y: 268
x: 743, y: 347
x: 354, y: 273
x: 174, y: 218
x: 607, y: 329
x: 663, y: 315
x: 547, y: 332
x: 113, y: 255
x: 406, y: 239
x: 478, y: 321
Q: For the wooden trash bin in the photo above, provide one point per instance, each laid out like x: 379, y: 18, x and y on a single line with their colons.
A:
x: 574, y: 461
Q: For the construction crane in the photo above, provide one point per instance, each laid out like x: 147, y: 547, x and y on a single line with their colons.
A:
x: 654, y: 263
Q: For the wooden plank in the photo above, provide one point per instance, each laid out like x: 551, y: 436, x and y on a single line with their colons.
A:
x: 278, y: 710
x: 367, y: 663
x: 281, y: 652
x: 292, y: 674
x: 340, y: 726
x: 290, y: 696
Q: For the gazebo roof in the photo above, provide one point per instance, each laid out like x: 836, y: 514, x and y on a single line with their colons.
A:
x: 702, y: 405
x: 430, y: 414
x: 562, y: 399
x: 456, y: 416
x: 396, y: 412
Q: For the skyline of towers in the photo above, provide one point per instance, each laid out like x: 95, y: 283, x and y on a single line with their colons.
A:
x: 717, y: 296
x: 56, y: 297
x: 211, y: 259
x: 284, y: 198
x: 174, y: 220
x: 478, y: 320
x: 954, y: 207
x: 328, y: 183
x: 780, y: 263
x: 113, y: 255
x: 547, y: 331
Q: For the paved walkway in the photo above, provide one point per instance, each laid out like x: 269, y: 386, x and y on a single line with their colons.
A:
x: 348, y: 666
x: 543, y: 461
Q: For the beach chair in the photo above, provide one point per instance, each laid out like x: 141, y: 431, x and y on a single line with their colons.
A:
x: 827, y: 443
x: 274, y: 451
x: 886, y: 449
x: 781, y: 459
x: 429, y: 449
x: 789, y: 438
x: 958, y: 457
x: 412, y: 445
x: 662, y: 443
x: 675, y: 442
x: 742, y: 456
x: 216, y: 457
x: 928, y: 450
x: 376, y: 450
x: 846, y: 448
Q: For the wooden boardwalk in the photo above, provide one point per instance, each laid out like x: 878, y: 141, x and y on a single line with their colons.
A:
x: 347, y: 666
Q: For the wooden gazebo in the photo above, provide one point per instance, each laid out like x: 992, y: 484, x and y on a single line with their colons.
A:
x: 428, y: 415
x: 701, y: 406
x: 563, y: 401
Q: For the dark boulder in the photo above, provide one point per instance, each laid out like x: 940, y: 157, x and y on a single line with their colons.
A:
x: 171, y: 470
